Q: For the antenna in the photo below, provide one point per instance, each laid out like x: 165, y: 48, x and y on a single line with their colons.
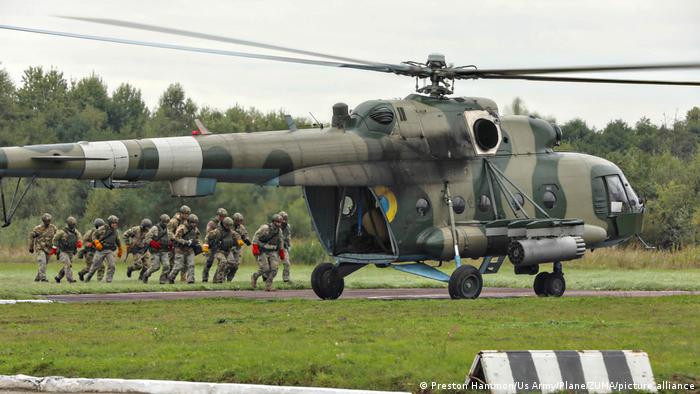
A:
x: 319, y: 124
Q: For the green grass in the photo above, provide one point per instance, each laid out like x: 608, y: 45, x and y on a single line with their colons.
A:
x: 390, y: 345
x: 16, y: 280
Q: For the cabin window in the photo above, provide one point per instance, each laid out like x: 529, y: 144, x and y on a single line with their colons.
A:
x: 458, y: 204
x: 484, y: 203
x: 549, y: 199
x: 422, y: 207
x: 518, y: 201
x: 348, y: 206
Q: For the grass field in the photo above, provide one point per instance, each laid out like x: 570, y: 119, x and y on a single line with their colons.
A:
x: 16, y: 280
x: 392, y: 345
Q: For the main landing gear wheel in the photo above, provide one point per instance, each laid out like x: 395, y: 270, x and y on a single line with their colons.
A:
x: 465, y: 282
x: 327, y: 282
x: 549, y: 284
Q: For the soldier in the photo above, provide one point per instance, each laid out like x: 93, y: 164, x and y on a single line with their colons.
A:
x: 159, y: 240
x: 88, y: 252
x: 179, y: 218
x: 286, y: 245
x: 268, y: 248
x: 40, y: 240
x: 215, y: 222
x: 67, y: 241
x: 106, y: 241
x: 224, y: 240
x: 186, y: 241
x: 135, y: 238
x: 238, y: 227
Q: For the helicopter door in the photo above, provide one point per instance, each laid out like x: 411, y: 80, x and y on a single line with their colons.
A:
x: 410, y: 127
x: 362, y: 228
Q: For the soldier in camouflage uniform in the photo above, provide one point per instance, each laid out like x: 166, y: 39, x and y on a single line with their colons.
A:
x: 224, y: 240
x: 268, y: 248
x: 67, y: 241
x: 40, y: 240
x: 159, y: 240
x: 186, y: 242
x: 238, y: 227
x: 106, y: 241
x: 215, y: 222
x: 135, y: 238
x: 88, y: 251
x: 286, y: 245
x: 179, y: 218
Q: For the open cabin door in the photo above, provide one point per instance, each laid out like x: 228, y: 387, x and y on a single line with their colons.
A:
x: 350, y: 223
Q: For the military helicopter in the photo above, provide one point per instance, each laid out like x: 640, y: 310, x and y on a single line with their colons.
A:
x: 407, y: 184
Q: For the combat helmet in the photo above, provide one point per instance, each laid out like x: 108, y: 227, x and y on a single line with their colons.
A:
x: 46, y: 218
x: 237, y: 217
x: 185, y: 210
x: 112, y: 219
x: 221, y: 212
x: 284, y: 215
x: 193, y: 219
x: 276, y: 217
x: 71, y: 222
x: 227, y: 222
x: 99, y: 222
x: 164, y: 218
x: 146, y: 223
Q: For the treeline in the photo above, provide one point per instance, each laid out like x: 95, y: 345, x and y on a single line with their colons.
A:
x: 661, y: 161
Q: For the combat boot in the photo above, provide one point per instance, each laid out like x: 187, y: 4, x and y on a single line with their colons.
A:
x: 143, y: 273
x: 254, y: 281
x: 128, y: 271
x: 268, y: 286
x: 72, y: 281
x: 81, y: 275
x: 145, y: 279
x: 57, y: 279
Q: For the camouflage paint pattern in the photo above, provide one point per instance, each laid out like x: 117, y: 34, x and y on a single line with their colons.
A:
x: 400, y: 151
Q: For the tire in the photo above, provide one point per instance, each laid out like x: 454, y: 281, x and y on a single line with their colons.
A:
x: 539, y: 284
x: 465, y: 283
x: 326, y: 282
x: 555, y: 285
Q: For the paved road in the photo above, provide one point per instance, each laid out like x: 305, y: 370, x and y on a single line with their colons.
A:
x: 375, y: 294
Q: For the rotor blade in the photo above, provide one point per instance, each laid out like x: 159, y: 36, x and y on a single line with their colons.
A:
x: 380, y: 68
x: 578, y: 69
x: 212, y: 37
x: 590, y: 80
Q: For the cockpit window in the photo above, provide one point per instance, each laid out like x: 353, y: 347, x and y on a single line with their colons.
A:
x: 616, y: 194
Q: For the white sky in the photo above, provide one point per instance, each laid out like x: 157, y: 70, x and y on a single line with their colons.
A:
x: 489, y: 34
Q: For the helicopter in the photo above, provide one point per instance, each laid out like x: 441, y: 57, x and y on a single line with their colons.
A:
x: 407, y: 184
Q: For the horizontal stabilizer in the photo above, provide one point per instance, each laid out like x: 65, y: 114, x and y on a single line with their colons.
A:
x: 67, y: 158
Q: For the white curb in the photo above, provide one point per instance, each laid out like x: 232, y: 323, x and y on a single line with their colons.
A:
x: 59, y: 384
x: 4, y: 302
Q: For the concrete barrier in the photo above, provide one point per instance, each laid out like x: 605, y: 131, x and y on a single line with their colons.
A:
x: 549, y: 371
x: 59, y: 384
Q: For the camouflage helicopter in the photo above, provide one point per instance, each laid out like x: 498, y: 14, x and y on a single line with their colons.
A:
x: 407, y: 184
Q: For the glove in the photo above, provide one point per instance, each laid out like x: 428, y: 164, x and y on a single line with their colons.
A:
x: 53, y: 251
x: 154, y: 244
x: 247, y: 241
x: 282, y: 254
x: 256, y: 250
x: 120, y: 252
x: 189, y: 242
x: 89, y: 245
x: 31, y: 250
x: 98, y: 245
x: 79, y: 244
x: 205, y: 248
x: 240, y: 243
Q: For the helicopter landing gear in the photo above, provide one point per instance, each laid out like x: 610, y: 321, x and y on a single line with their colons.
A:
x: 550, y: 284
x: 327, y: 279
x: 465, y: 282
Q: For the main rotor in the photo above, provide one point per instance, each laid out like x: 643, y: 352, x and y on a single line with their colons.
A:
x: 437, y: 74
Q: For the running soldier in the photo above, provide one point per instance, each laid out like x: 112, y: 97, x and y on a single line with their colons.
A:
x: 238, y: 227
x: 135, y: 238
x: 88, y: 251
x: 159, y: 240
x: 286, y: 245
x: 215, y: 222
x: 179, y: 218
x: 186, y: 241
x: 67, y: 241
x: 106, y: 241
x: 40, y: 240
x: 267, y: 247
x: 224, y: 240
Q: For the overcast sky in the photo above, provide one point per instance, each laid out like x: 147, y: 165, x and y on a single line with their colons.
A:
x: 485, y: 33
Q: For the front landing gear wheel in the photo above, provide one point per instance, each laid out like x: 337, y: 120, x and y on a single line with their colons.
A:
x: 465, y: 282
x: 555, y: 285
x: 327, y: 282
x: 539, y: 284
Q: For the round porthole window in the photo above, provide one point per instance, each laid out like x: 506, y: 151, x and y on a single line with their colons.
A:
x: 348, y: 206
x: 518, y: 201
x: 458, y: 204
x: 422, y: 207
x: 484, y: 203
x: 549, y: 199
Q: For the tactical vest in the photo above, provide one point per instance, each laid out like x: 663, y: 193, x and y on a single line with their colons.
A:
x: 226, y: 243
x: 68, y: 242
x: 190, y: 234
x: 271, y: 239
x: 109, y: 239
x: 162, y: 238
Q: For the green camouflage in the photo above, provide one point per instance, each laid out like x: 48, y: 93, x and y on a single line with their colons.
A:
x: 66, y: 241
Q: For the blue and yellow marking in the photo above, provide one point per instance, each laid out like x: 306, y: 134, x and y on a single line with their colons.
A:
x: 387, y: 200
